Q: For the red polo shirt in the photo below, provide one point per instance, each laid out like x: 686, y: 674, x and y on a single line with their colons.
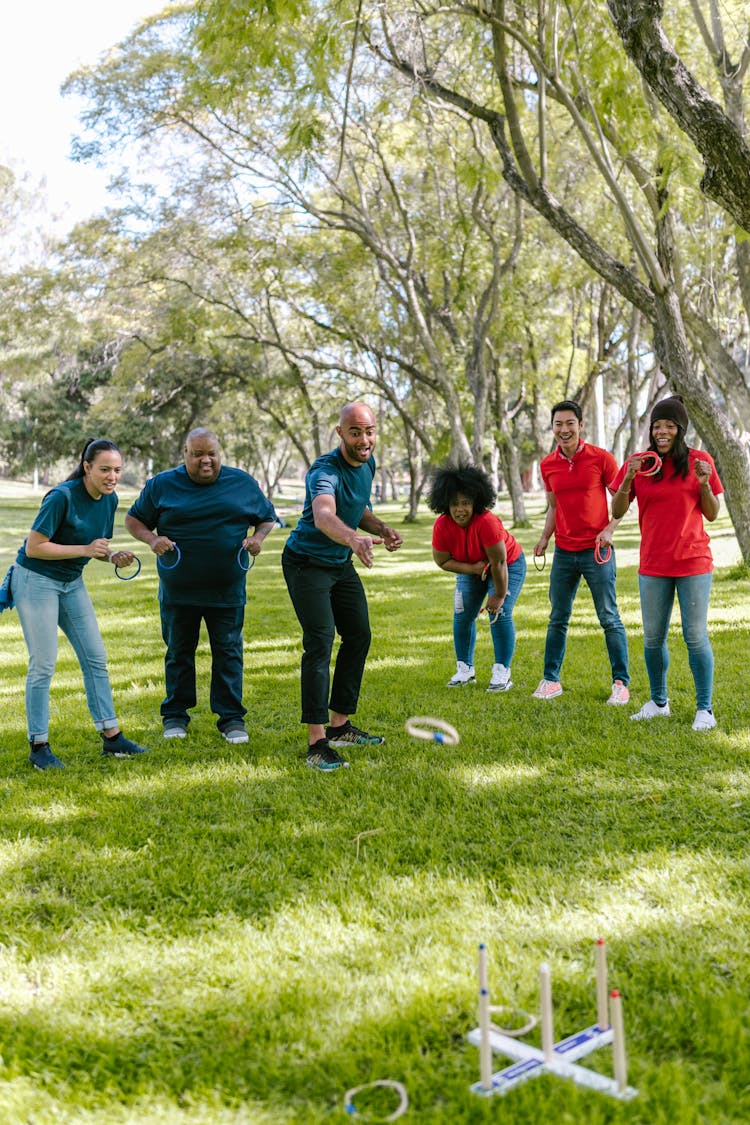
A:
x: 467, y: 544
x: 674, y: 543
x: 579, y: 484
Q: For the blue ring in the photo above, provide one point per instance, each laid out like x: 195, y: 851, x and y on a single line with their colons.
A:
x: 129, y: 577
x: 251, y: 559
x: 160, y: 558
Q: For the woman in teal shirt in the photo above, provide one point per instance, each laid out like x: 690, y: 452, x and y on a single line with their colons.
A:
x: 74, y: 524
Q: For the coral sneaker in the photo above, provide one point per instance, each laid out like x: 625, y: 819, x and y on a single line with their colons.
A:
x: 548, y: 689
x: 620, y: 693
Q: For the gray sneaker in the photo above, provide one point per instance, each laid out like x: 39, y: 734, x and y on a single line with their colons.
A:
x: 235, y: 732
x: 174, y: 729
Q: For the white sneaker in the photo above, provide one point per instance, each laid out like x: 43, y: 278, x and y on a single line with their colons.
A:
x: 651, y: 710
x: 704, y: 720
x: 548, y: 689
x: 500, y: 680
x: 464, y: 675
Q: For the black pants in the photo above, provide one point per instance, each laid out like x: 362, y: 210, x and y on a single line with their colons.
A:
x: 328, y: 600
x: 180, y: 628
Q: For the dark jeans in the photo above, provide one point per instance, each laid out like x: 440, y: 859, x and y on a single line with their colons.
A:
x: 328, y: 600
x: 568, y: 568
x: 180, y: 628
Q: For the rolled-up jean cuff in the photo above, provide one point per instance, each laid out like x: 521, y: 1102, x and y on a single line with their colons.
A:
x: 105, y: 724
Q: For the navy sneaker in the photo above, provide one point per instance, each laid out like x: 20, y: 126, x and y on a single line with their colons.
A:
x: 321, y: 756
x: 121, y: 747
x: 41, y: 757
x: 349, y: 735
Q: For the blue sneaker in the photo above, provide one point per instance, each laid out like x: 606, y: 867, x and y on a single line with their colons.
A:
x: 41, y: 757
x: 322, y: 756
x: 121, y: 747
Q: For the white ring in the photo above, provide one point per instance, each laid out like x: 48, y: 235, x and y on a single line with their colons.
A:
x: 442, y: 732
x: 400, y: 1089
x: 513, y: 1033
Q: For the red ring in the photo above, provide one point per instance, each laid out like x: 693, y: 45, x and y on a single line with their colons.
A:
x: 654, y: 460
x: 598, y: 556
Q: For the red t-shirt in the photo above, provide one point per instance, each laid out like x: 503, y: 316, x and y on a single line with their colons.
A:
x: 579, y: 484
x: 467, y: 544
x: 674, y: 543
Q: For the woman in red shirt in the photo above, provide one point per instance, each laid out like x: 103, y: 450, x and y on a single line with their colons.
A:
x: 675, y: 553
x: 468, y: 540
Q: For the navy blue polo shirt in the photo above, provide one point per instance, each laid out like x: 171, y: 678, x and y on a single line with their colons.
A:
x: 208, y: 523
x: 350, y: 485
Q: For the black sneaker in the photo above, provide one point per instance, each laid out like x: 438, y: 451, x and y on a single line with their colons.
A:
x: 321, y: 756
x: 41, y: 757
x: 349, y: 735
x: 121, y: 747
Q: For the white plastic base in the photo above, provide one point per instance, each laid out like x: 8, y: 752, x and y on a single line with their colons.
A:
x: 530, y: 1062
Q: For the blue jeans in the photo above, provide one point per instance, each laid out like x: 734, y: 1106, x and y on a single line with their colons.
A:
x: 180, y: 630
x: 568, y: 568
x: 467, y: 601
x: 43, y: 604
x: 657, y: 600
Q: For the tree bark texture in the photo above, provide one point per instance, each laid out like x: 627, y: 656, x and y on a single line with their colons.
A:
x: 726, y: 156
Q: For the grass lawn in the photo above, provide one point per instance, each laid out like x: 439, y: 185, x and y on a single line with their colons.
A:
x: 216, y: 934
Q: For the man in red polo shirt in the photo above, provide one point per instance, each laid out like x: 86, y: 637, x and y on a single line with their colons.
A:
x: 576, y: 476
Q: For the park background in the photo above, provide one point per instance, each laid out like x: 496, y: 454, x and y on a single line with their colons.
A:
x: 463, y: 216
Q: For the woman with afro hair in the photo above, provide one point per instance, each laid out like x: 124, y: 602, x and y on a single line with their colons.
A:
x: 468, y: 540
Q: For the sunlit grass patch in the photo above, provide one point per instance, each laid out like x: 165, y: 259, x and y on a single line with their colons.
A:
x: 218, y: 934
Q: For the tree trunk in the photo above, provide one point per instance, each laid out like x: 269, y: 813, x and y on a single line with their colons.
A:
x: 714, y: 426
x: 726, y: 176
x: 512, y: 473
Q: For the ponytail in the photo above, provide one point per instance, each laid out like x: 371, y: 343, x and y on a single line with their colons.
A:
x: 90, y: 450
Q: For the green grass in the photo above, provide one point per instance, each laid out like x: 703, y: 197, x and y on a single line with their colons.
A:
x: 216, y: 934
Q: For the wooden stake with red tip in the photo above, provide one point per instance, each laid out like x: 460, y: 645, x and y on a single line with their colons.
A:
x: 618, y: 1040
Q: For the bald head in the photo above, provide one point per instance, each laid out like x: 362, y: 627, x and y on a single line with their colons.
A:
x: 202, y: 456
x: 357, y: 431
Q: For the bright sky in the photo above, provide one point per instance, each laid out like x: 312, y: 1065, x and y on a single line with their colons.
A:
x: 42, y: 41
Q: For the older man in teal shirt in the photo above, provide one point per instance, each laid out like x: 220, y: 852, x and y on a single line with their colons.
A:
x: 195, y: 518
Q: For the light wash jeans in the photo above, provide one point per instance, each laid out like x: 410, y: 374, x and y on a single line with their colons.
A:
x: 657, y: 600
x: 470, y: 592
x: 43, y: 604
x: 568, y: 568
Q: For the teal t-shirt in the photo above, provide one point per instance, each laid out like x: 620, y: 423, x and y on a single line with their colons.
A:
x: 350, y: 485
x: 208, y: 523
x: 70, y: 515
